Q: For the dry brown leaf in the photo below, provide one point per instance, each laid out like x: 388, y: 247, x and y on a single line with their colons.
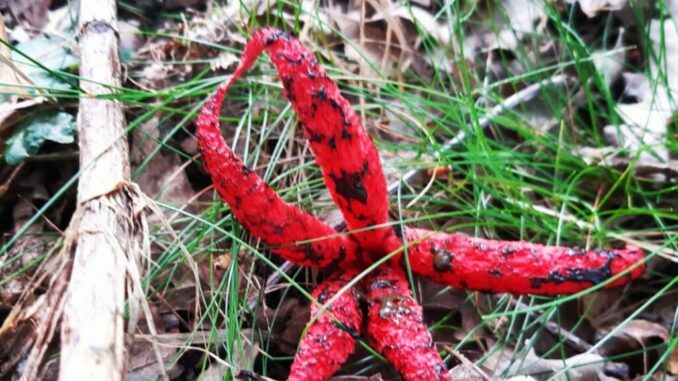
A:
x: 634, y: 339
x: 506, y: 363
x: 379, y: 39
x: 215, y: 372
x: 34, y: 12
x: 143, y: 364
x: 635, y: 334
x: 645, y: 122
x: 164, y: 177
x: 11, y: 81
x: 508, y: 22
x: 29, y: 246
x: 245, y: 355
x: 592, y: 7
x: 467, y: 372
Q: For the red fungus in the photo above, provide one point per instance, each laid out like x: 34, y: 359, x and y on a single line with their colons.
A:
x: 352, y: 172
x: 330, y: 339
x: 395, y: 326
x: 516, y: 267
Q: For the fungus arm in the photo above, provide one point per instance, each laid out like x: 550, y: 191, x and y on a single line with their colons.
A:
x: 349, y: 160
x: 516, y: 267
x: 258, y: 208
x: 330, y: 339
x: 395, y: 326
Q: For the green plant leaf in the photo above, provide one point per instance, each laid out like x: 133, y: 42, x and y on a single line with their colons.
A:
x: 56, y: 126
x: 51, y: 54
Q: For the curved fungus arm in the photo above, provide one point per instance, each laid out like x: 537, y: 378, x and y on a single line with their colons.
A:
x: 516, y: 267
x: 331, y: 338
x: 395, y: 326
x: 349, y: 160
x: 258, y: 208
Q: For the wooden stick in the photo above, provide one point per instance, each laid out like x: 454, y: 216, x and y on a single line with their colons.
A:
x: 109, y: 229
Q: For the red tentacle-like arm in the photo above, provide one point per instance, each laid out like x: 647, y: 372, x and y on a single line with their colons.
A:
x: 349, y: 161
x: 516, y: 267
x: 331, y: 338
x: 258, y: 208
x: 395, y: 326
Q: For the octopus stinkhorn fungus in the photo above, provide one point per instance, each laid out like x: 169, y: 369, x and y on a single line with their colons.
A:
x: 352, y: 171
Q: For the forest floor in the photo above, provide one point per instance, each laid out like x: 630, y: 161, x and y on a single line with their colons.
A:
x: 550, y: 122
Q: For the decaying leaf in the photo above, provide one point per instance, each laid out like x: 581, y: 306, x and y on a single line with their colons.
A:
x: 143, y: 364
x: 645, y: 122
x: 505, y: 363
x: 54, y: 126
x: 646, y: 106
x: 163, y: 175
x: 592, y: 7
x: 635, y: 339
x: 41, y: 58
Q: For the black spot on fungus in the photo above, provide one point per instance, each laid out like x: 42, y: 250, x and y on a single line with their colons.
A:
x: 278, y: 229
x: 554, y: 276
x: 294, y: 61
x: 495, y: 272
x: 320, y: 94
x: 287, y: 85
x: 311, y: 254
x: 362, y: 217
x: 594, y: 276
x: 315, y: 136
x: 287, y: 82
x: 335, y: 105
x: 310, y: 73
x: 507, y: 250
x: 332, y: 142
x: 381, y: 283
x: 323, y: 297
x: 340, y: 258
x: 345, y: 134
x: 238, y: 202
x: 245, y: 171
x: 350, y: 186
x: 273, y: 37
x: 578, y: 274
x: 442, y: 260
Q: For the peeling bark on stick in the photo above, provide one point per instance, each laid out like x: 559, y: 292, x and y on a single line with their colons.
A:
x: 110, y: 231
